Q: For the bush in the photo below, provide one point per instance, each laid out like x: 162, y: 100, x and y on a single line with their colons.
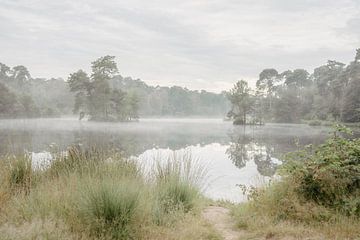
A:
x: 318, y: 192
x: 328, y: 175
x: 110, y: 208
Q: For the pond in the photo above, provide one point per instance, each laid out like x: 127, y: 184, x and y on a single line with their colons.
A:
x: 232, y: 155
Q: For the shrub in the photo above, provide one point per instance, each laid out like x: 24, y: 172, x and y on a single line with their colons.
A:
x: 328, y: 175
x: 109, y: 208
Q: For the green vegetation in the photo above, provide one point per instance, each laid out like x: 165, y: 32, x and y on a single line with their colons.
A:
x: 317, y: 196
x: 329, y: 94
x: 100, y: 195
x: 26, y: 97
x: 241, y: 103
x: 103, y: 95
x: 95, y: 98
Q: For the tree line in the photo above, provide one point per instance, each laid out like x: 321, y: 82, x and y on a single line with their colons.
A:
x: 102, y: 95
x: 330, y: 93
x: 27, y: 97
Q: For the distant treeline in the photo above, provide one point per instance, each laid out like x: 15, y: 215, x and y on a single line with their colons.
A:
x: 24, y: 96
x: 331, y: 93
x: 27, y: 97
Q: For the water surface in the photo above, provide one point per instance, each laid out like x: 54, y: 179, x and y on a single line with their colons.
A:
x: 232, y: 154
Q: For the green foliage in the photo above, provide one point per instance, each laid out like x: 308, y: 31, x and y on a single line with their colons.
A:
x: 109, y: 208
x: 241, y: 102
x: 330, y: 93
x: 95, y: 97
x: 104, y: 95
x: 330, y: 174
x: 318, y: 190
x: 26, y: 97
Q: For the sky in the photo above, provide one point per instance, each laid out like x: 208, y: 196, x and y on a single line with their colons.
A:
x: 198, y: 44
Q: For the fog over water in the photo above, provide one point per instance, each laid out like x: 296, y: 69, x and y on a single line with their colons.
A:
x: 232, y: 154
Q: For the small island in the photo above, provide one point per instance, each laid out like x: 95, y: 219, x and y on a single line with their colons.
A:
x: 96, y: 98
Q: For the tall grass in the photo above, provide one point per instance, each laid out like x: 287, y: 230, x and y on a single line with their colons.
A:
x: 178, y: 181
x: 101, y: 195
x: 20, y: 173
x: 110, y: 208
x: 75, y: 159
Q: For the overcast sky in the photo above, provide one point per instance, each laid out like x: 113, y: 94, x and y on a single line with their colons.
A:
x: 200, y: 44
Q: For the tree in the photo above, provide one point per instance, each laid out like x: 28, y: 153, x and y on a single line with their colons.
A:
x: 21, y: 75
x: 4, y: 71
x: 351, y: 109
x: 7, y: 102
x: 132, y: 102
x: 79, y: 82
x: 118, y: 104
x: 267, y: 83
x: 98, y: 98
x: 298, y: 78
x: 103, y: 69
x: 240, y: 99
x: 30, y: 110
x: 287, y: 105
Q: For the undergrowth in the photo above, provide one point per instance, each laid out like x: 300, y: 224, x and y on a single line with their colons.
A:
x: 318, y: 192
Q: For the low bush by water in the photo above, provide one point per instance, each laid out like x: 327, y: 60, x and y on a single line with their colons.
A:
x: 318, y: 192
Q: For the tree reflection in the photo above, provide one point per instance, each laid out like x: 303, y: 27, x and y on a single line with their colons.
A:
x: 244, y: 148
x: 239, y: 149
x: 263, y: 161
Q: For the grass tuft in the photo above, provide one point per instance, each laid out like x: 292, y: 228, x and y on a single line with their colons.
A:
x: 20, y: 174
x: 109, y: 208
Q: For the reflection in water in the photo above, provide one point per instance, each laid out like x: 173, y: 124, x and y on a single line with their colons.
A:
x: 235, y: 155
x: 266, y: 165
x: 239, y: 149
x: 243, y: 148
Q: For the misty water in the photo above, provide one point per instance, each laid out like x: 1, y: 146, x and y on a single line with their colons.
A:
x: 232, y: 154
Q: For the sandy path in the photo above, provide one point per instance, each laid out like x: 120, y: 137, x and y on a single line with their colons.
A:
x: 220, y: 218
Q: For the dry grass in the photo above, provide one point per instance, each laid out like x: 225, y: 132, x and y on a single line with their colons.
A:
x: 87, y: 196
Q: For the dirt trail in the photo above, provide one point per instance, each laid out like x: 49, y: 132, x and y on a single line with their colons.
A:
x: 220, y: 218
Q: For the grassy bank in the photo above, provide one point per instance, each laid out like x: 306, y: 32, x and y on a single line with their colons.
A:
x: 317, y: 197
x: 99, y: 195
